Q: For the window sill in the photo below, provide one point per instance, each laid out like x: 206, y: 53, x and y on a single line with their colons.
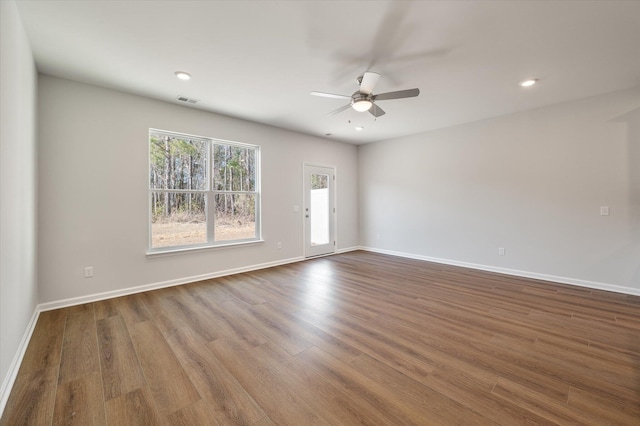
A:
x: 183, y: 250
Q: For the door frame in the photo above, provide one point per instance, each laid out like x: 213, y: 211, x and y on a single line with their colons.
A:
x: 333, y: 199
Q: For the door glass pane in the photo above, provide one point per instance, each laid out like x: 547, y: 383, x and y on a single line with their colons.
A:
x: 319, y: 209
x: 178, y: 219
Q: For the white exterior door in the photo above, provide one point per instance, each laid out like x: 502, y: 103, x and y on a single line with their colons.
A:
x: 319, y: 210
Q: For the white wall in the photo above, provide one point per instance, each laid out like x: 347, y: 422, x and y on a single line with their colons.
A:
x: 531, y: 182
x: 93, y: 190
x: 18, y: 286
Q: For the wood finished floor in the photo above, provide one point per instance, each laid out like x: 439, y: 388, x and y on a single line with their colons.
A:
x: 356, y: 338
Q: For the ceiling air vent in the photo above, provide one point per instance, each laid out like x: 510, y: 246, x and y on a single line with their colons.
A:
x: 187, y: 100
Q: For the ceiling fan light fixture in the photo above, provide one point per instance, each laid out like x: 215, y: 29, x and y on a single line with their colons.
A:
x: 362, y: 105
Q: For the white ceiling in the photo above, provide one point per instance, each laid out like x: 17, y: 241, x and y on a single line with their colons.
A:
x: 258, y: 60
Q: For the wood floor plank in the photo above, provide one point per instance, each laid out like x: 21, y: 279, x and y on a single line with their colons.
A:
x: 80, y: 402
x: 106, y: 308
x: 541, y: 404
x: 323, y: 397
x: 354, y: 338
x: 32, y: 398
x: 121, y: 371
x: 171, y: 310
x: 265, y: 421
x: 235, y: 290
x: 167, y: 380
x: 486, y: 324
x: 445, y: 344
x: 604, y: 410
x: 135, y: 408
x: 224, y: 396
x: 45, y: 346
x: 388, y: 407
x: 610, y: 334
x: 220, y: 318
x: 416, y: 397
x: 309, y: 334
x: 583, y: 371
x: 472, y: 388
x: 281, y: 403
x: 590, y: 363
x: 268, y: 327
x: 629, y: 322
x: 213, y: 289
x: 199, y: 413
x: 620, y: 356
x: 132, y: 309
x: 276, y: 293
x: 80, y: 345
x: 386, y: 348
x: 316, y: 336
x: 162, y: 310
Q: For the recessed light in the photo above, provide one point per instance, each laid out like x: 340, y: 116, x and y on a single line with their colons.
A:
x: 359, y: 128
x: 529, y: 83
x: 183, y: 75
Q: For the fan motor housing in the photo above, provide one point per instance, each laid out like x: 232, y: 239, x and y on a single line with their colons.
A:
x: 357, y: 97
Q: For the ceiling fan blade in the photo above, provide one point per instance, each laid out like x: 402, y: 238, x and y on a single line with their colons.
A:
x: 369, y: 81
x: 376, y: 111
x: 330, y: 95
x: 409, y: 93
x: 339, y: 110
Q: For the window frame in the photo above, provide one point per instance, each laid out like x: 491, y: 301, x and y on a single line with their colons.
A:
x: 209, y: 193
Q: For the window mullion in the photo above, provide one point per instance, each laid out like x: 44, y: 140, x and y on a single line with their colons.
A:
x: 211, y: 217
x: 211, y: 207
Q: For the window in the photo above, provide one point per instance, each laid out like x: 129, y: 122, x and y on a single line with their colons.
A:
x: 202, y: 191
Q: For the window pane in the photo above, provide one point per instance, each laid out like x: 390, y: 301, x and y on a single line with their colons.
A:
x: 177, y: 219
x: 234, y: 168
x: 177, y: 162
x: 235, y: 217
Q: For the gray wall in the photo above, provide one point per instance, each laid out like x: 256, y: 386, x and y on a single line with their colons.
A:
x: 93, y: 190
x: 532, y: 183
x: 18, y: 286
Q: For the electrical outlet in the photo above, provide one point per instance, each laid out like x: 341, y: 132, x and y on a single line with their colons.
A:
x: 501, y: 251
x: 278, y: 245
x: 88, y: 271
x: 604, y: 210
x: 377, y: 236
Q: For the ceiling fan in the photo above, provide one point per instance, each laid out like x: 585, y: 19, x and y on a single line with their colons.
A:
x: 364, y: 99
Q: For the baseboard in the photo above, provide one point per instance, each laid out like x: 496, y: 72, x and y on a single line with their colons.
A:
x: 347, y: 249
x: 154, y: 286
x: 12, y: 373
x: 525, y: 274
